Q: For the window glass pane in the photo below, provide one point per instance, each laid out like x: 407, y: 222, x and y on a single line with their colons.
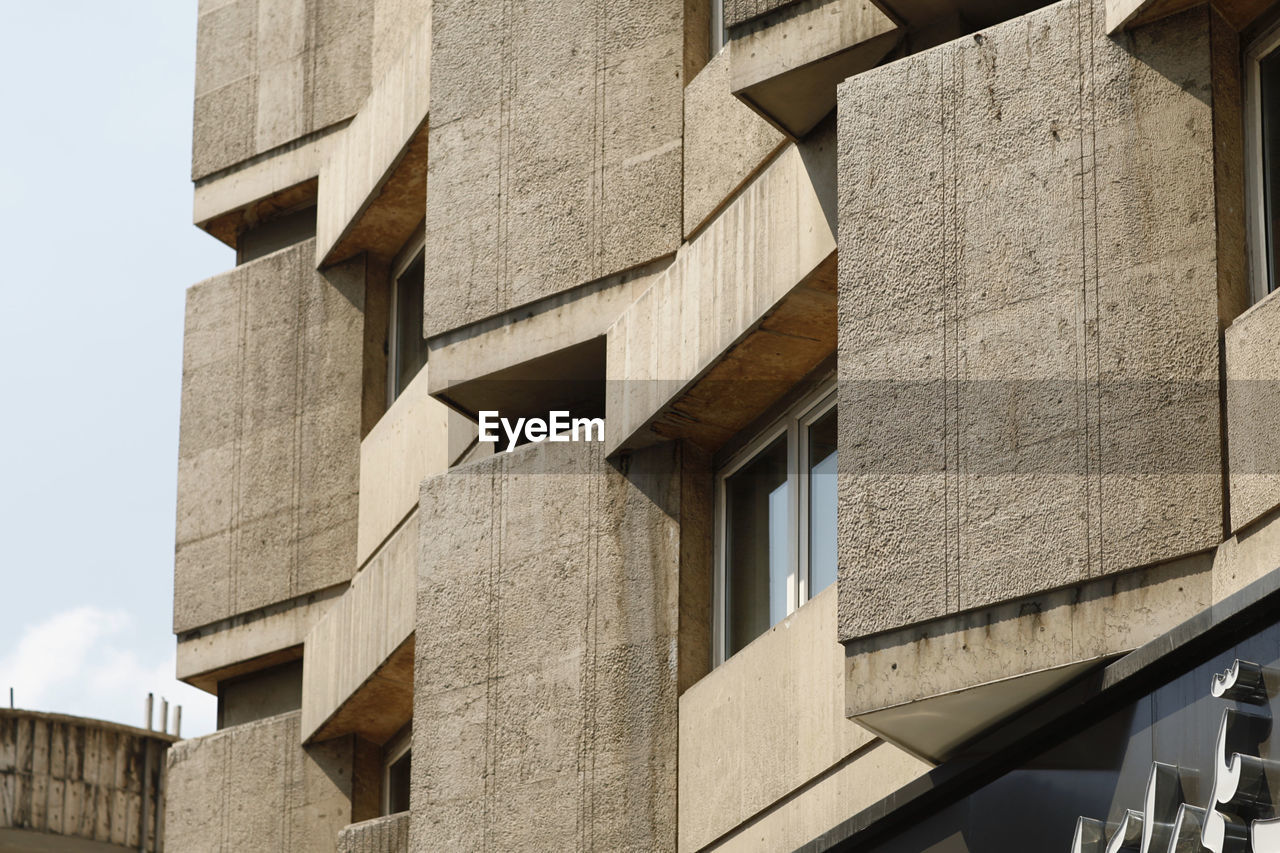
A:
x: 822, y: 503
x: 1269, y: 78
x: 410, y: 348
x: 398, y: 784
x: 756, y: 550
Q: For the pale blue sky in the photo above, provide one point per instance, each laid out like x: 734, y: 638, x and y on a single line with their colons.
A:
x: 95, y: 209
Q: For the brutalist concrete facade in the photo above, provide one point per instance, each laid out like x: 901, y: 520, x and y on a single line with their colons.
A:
x: 1011, y: 240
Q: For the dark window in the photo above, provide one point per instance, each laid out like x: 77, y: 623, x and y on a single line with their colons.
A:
x: 408, y: 349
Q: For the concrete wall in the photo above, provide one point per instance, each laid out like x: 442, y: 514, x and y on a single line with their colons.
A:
x: 547, y: 652
x: 724, y: 142
x: 270, y: 439
x: 767, y: 724
x: 1253, y: 411
x: 1028, y: 314
x: 253, y: 787
x: 773, y: 235
x: 381, y: 835
x: 271, y: 71
x: 555, y: 145
x: 80, y: 780
x: 347, y: 650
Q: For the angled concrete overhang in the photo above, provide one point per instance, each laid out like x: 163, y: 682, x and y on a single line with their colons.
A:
x: 249, y: 642
x: 372, y: 192
x: 357, y: 670
x: 746, y: 311
x: 935, y: 687
x: 542, y: 356
x: 1126, y: 14
x: 785, y: 65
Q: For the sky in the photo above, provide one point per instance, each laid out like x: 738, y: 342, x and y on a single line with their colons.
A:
x: 99, y: 249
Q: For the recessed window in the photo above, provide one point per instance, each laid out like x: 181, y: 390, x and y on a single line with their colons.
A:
x: 776, y: 522
x: 396, y: 775
x: 406, y: 350
x: 1262, y: 144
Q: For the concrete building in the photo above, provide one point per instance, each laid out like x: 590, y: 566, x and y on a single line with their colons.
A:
x: 75, y: 785
x: 1009, y: 262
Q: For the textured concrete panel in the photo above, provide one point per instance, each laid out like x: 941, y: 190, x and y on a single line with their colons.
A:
x: 381, y: 835
x: 546, y: 671
x: 348, y: 650
x: 1253, y: 411
x: 253, y: 787
x: 269, y: 453
x: 271, y: 71
x: 80, y: 781
x: 733, y: 763
x: 1028, y: 315
x: 555, y: 148
x: 724, y: 142
x: 775, y: 236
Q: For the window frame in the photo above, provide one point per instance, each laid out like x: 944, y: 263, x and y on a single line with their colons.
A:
x: 399, y: 266
x: 793, y: 422
x: 718, y: 35
x: 1264, y: 45
x: 397, y: 748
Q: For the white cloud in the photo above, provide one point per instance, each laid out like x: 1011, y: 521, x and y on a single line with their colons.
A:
x: 85, y: 661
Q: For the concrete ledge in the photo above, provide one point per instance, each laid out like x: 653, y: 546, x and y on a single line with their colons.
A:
x: 786, y: 66
x: 388, y: 834
x: 248, y: 642
x: 753, y: 293
x: 357, y: 673
x: 790, y: 679
x: 373, y: 185
x: 890, y: 678
x: 409, y: 443
x: 523, y: 358
x: 227, y: 203
x: 1253, y: 410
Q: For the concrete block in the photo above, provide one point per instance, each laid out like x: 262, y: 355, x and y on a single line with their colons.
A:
x: 546, y: 662
x: 253, y: 787
x: 269, y: 72
x: 395, y: 23
x: 724, y: 142
x: 1028, y: 381
x: 269, y: 455
x: 1253, y: 411
x: 556, y: 149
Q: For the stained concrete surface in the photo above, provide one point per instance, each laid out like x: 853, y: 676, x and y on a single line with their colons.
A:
x: 1028, y: 353
x: 269, y: 449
